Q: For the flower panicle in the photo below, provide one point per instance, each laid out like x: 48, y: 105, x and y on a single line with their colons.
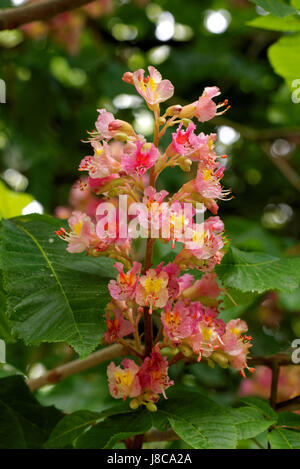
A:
x: 124, y: 163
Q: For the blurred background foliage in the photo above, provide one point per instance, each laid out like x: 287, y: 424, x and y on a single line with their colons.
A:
x: 59, y: 73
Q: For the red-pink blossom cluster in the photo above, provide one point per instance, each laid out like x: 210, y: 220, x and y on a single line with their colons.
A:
x: 123, y: 164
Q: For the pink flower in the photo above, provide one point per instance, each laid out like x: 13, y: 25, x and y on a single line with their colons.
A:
x: 178, y: 321
x: 152, y: 290
x: 182, y: 141
x: 236, y: 346
x: 102, y: 123
x: 208, y: 336
x: 124, y: 382
x: 138, y: 157
x: 98, y: 184
x: 185, y: 281
x: 173, y: 272
x: 207, y: 286
x: 152, y: 196
x: 125, y: 286
x: 205, y: 242
x: 153, y: 373
x: 207, y: 183
x: 104, y: 163
x: 152, y: 88
x: 117, y: 326
x: 82, y: 234
x: 206, y: 109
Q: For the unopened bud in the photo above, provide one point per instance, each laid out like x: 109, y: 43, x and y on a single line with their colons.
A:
x: 220, y: 359
x: 210, y: 363
x: 120, y: 126
x: 161, y: 121
x: 184, y: 163
x: 186, y: 351
x: 134, y: 404
x: 151, y: 406
x: 121, y: 137
x: 186, y: 122
x: 188, y: 111
x: 128, y: 78
x: 173, y: 110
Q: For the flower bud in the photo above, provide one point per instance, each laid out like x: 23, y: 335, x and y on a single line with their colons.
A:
x: 134, y: 404
x: 128, y: 78
x: 186, y: 122
x: 151, y: 406
x: 184, y: 163
x: 210, y: 363
x: 220, y: 359
x: 188, y: 111
x: 186, y: 351
x: 161, y: 121
x: 173, y: 110
x: 120, y: 126
x: 121, y: 137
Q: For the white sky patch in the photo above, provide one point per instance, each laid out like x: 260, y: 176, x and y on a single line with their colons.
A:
x: 33, y: 207
x: 217, y: 21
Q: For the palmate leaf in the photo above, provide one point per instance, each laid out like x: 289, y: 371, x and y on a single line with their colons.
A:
x: 262, y: 406
x: 199, y: 421
x: 116, y: 428
x: 250, y: 422
x: 5, y: 327
x: 273, y: 23
x: 72, y: 426
x: 289, y: 419
x: 258, y: 272
x: 24, y: 423
x: 281, y: 438
x: 277, y: 7
x: 284, y: 57
x: 53, y: 295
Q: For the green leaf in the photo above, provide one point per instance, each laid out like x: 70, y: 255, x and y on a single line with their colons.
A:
x: 289, y: 419
x: 106, y: 434
x: 250, y: 422
x: 24, y: 423
x: 277, y: 7
x: 258, y: 272
x: 290, y: 301
x: 262, y: 406
x: 12, y: 203
x: 280, y: 438
x: 273, y: 23
x: 295, y: 3
x: 284, y: 57
x: 5, y: 326
x: 200, y: 422
x: 72, y: 426
x: 53, y: 295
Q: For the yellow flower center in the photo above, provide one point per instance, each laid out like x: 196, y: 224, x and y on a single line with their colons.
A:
x: 78, y: 228
x: 124, y: 378
x: 153, y: 286
x: 207, y: 174
x: 206, y: 333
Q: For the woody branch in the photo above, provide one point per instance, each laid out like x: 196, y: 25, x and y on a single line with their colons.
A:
x: 13, y: 17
